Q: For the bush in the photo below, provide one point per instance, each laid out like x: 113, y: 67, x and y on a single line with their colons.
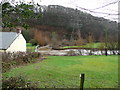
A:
x: 17, y: 82
x: 33, y: 42
x: 10, y: 60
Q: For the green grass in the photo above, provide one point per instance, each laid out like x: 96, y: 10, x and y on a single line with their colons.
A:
x: 89, y: 45
x: 64, y: 71
x: 30, y: 47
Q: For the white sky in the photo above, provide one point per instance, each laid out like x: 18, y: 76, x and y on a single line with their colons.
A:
x: 87, y: 4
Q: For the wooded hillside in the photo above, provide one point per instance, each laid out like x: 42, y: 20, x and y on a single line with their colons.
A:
x: 70, y: 23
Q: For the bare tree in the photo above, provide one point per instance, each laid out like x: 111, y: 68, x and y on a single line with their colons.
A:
x: 91, y: 38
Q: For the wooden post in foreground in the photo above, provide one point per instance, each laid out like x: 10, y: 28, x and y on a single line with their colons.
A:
x: 82, y: 76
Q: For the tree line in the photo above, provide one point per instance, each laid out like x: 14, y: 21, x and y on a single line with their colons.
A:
x: 70, y: 23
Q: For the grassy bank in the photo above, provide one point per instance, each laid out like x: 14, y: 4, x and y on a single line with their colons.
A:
x: 89, y: 45
x: 64, y: 71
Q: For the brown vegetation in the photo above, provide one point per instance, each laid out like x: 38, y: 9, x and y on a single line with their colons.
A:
x: 10, y: 60
x: 90, y: 38
x: 48, y: 35
x: 41, y: 37
x: 17, y: 82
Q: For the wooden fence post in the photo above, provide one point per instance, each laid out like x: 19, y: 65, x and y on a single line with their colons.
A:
x: 106, y: 51
x: 82, y: 76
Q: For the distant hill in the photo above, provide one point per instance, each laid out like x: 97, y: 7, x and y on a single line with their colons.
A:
x: 72, y: 19
x: 63, y: 21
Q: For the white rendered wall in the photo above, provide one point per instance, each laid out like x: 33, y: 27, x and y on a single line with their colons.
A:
x: 19, y: 45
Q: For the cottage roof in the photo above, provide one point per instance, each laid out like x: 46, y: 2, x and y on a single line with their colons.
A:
x: 7, y: 38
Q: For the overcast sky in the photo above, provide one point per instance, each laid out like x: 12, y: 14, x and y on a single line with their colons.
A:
x: 87, y: 4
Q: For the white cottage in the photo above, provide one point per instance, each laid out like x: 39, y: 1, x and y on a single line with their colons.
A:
x: 12, y: 42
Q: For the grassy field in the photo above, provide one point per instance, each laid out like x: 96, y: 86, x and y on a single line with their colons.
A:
x: 30, y: 47
x: 89, y: 45
x: 64, y: 71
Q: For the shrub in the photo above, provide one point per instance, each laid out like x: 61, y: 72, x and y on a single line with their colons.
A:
x: 10, y: 60
x: 33, y: 42
x: 17, y: 82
